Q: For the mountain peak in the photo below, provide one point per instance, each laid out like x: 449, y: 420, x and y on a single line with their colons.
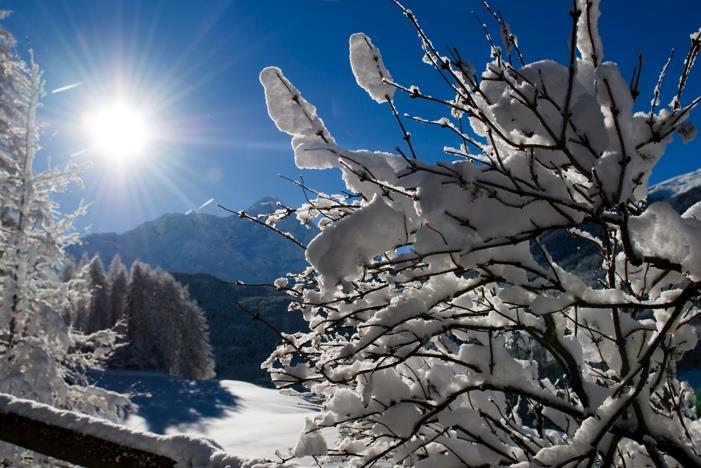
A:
x: 676, y: 185
x: 264, y: 206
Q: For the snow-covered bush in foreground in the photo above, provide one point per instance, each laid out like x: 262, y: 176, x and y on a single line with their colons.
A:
x: 442, y: 332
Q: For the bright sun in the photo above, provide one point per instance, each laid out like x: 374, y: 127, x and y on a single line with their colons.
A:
x: 118, y: 130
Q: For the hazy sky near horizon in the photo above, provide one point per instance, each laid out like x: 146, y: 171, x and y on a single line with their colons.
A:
x: 192, y: 69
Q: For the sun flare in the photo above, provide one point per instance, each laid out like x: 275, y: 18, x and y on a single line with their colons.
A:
x: 118, y: 130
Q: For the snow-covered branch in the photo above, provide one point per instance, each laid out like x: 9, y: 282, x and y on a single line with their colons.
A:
x: 442, y: 330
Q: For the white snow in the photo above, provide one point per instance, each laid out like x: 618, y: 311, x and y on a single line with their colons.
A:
x: 249, y: 426
x: 661, y: 232
x: 281, y: 282
x: 369, y: 69
x: 261, y: 421
x: 252, y: 425
x: 294, y: 115
x: 687, y: 131
x: 311, y: 442
x: 588, y: 39
x: 382, y: 228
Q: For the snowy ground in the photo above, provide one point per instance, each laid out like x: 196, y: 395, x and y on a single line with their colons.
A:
x: 243, y: 418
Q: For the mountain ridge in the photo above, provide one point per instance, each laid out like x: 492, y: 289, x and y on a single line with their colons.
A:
x: 675, y: 186
x: 228, y: 247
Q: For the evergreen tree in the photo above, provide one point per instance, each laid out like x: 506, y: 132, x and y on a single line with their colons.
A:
x: 80, y: 306
x: 170, y: 316
x: 40, y: 358
x: 186, y: 348
x: 165, y: 330
x: 100, y: 302
x: 139, y: 299
x: 118, y: 278
x: 197, y: 348
x: 70, y: 268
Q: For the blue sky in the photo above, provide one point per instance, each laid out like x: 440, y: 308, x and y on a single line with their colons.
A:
x: 193, y: 68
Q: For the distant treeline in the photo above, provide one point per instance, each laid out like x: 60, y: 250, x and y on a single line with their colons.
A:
x: 162, y: 328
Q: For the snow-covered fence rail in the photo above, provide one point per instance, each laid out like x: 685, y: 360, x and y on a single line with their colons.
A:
x: 88, y: 441
x: 71, y: 446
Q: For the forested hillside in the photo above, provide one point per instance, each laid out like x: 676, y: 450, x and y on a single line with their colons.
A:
x: 241, y: 344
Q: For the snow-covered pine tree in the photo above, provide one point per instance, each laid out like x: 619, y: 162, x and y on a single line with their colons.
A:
x: 442, y: 331
x: 99, y: 311
x: 139, y: 309
x: 199, y: 362
x: 171, y: 316
x: 79, y: 307
x: 118, y: 278
x: 178, y: 329
x: 165, y: 329
x: 39, y: 357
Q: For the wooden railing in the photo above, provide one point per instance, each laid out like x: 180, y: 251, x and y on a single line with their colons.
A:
x: 87, y: 441
x: 72, y: 446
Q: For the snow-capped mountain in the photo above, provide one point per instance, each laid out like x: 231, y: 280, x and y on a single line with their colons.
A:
x: 676, y: 186
x: 681, y: 192
x: 227, y: 247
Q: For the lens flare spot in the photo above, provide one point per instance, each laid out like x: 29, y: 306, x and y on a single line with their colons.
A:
x: 118, y: 130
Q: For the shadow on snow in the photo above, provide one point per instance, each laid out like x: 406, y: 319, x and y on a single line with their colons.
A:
x: 166, y: 401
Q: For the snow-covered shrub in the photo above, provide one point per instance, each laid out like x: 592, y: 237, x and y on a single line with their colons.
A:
x: 40, y: 357
x: 442, y: 331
